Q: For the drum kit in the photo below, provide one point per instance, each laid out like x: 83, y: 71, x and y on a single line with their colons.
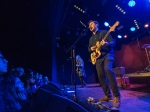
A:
x: 147, y: 50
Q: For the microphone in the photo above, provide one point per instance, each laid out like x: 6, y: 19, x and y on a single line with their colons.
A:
x: 83, y: 24
x: 86, y: 28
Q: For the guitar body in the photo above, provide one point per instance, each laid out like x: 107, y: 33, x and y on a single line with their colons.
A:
x: 94, y: 56
x: 78, y: 70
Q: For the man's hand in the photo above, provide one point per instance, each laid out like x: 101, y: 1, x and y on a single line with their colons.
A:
x: 93, y: 48
x: 104, y: 43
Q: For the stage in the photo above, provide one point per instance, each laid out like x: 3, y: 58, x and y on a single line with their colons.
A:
x: 138, y: 74
x: 135, y: 98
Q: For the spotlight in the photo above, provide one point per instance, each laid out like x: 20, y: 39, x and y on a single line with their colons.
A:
x: 132, y: 29
x: 146, y: 25
x: 125, y: 36
x: 119, y: 36
x: 131, y: 3
x: 106, y: 24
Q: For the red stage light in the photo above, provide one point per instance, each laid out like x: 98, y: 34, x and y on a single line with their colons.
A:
x: 146, y: 26
x: 125, y: 36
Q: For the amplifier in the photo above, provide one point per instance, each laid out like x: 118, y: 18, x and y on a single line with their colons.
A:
x: 123, y: 82
x: 119, y: 71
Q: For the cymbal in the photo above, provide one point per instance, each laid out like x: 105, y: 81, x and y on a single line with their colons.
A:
x: 146, y: 46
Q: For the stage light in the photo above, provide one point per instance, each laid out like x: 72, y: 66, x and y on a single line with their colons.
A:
x: 121, y: 10
x: 131, y: 3
x: 78, y: 8
x: 146, y: 25
x: 120, y: 27
x: 106, y: 24
x: 119, y: 36
x: 136, y: 24
x: 125, y: 36
x: 132, y: 29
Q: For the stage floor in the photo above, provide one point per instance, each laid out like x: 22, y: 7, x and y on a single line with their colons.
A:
x: 136, y: 98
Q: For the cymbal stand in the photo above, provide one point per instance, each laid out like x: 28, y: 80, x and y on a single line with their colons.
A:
x: 148, y: 67
x: 140, y: 54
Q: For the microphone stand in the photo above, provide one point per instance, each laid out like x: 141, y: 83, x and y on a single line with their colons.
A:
x: 62, y: 71
x: 73, y: 57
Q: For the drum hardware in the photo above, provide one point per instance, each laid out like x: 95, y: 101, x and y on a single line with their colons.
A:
x: 147, y: 50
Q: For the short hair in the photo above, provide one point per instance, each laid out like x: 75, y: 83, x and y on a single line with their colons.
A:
x: 96, y: 22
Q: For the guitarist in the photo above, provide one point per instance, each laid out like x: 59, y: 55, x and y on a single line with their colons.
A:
x: 104, y: 63
x: 80, y: 70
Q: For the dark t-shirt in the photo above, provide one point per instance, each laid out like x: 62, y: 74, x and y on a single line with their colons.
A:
x: 105, y: 50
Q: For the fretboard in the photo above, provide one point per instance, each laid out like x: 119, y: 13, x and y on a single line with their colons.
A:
x: 98, y: 47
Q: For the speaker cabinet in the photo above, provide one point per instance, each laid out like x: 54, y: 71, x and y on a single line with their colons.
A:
x: 51, y: 99
x: 61, y: 104
x: 119, y: 71
x: 54, y: 88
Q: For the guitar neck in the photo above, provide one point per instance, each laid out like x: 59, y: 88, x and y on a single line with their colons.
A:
x: 106, y: 35
x: 104, y: 39
x: 98, y: 44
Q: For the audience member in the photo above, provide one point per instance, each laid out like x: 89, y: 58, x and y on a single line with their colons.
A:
x: 45, y: 80
x: 3, y: 69
x: 16, y: 97
x: 31, y: 82
x: 40, y: 81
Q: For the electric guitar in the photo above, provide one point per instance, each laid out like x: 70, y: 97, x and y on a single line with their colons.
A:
x: 78, y: 70
x: 96, y: 54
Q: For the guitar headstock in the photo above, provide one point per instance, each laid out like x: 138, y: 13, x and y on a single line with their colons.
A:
x: 112, y: 28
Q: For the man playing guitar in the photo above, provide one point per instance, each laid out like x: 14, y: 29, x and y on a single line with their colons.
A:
x: 104, y: 62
